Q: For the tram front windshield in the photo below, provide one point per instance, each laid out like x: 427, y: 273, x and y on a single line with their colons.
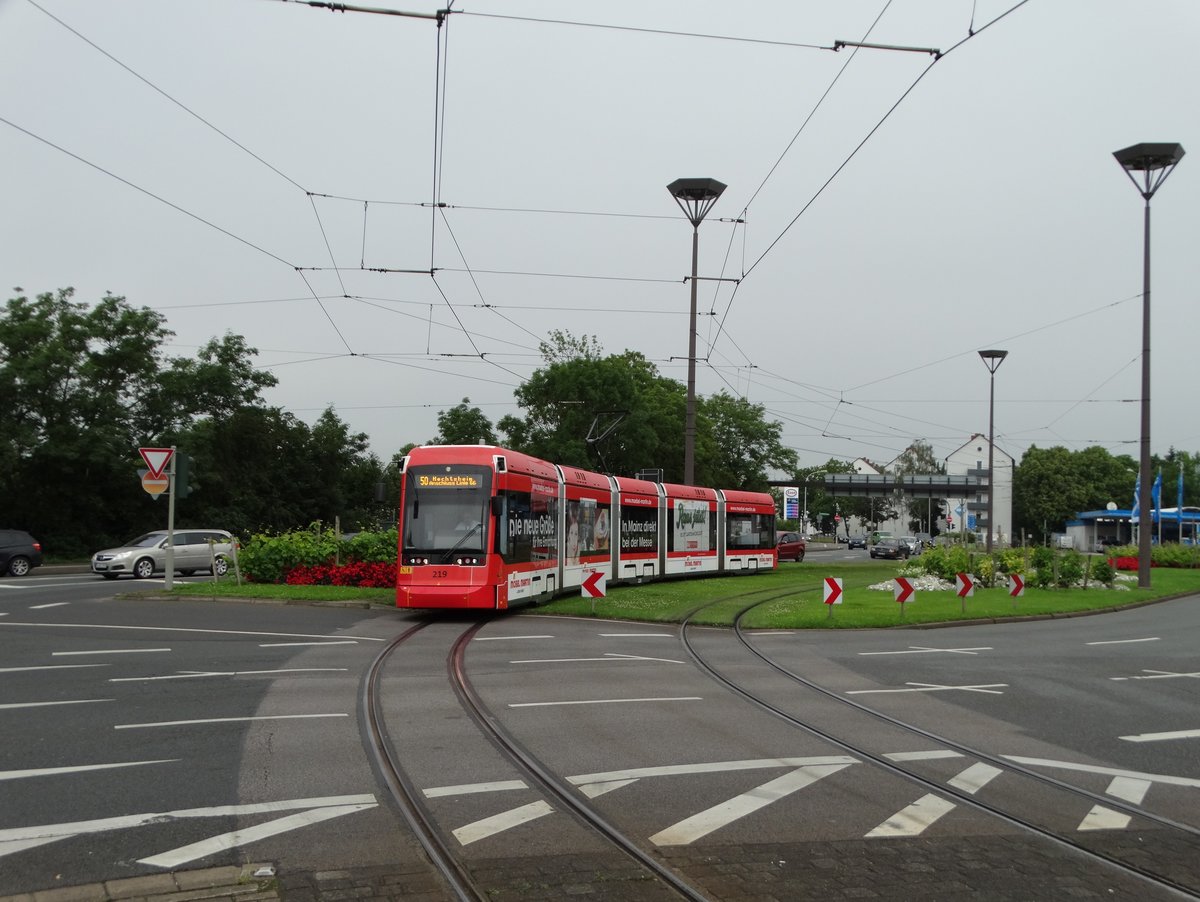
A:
x: 446, y: 508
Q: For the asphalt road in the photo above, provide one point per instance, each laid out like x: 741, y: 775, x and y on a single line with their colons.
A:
x: 151, y: 735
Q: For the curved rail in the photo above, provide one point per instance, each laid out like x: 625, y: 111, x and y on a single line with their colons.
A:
x: 962, y: 796
x: 403, y: 792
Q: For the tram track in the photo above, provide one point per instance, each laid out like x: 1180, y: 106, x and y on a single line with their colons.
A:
x: 1187, y: 886
x: 456, y: 871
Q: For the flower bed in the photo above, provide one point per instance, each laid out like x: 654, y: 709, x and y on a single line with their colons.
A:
x: 364, y: 574
x: 1127, y: 563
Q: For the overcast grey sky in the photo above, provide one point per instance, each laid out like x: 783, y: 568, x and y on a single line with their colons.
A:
x: 214, y: 159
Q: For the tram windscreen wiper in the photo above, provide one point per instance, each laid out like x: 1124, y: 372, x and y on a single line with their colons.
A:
x: 459, y: 544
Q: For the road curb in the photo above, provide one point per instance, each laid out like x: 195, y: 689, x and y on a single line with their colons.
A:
x: 225, y: 884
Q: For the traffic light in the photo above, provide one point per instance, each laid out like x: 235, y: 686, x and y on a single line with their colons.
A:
x: 184, y: 476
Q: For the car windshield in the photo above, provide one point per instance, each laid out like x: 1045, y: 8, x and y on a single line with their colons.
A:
x: 146, y: 541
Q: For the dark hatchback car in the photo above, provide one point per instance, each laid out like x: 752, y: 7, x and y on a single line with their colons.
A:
x: 19, y: 552
x: 791, y: 547
x: 890, y: 547
x: 858, y: 541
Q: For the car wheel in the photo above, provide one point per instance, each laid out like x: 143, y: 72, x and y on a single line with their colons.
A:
x: 800, y: 559
x: 18, y: 566
x: 221, y: 566
x: 144, y: 568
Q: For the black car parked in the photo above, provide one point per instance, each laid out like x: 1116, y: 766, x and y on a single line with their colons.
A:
x: 19, y: 552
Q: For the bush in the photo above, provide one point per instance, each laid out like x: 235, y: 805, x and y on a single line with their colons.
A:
x: 1103, y: 573
x: 1043, y: 562
x: 364, y: 574
x: 272, y: 559
x: 1070, y: 569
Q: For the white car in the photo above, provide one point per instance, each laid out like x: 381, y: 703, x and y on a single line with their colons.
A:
x: 195, y: 549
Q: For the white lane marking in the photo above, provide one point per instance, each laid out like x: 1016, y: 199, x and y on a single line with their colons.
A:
x: 50, y: 832
x: 608, y: 701
x: 1123, y: 641
x: 637, y: 635
x: 182, y: 629
x: 608, y: 656
x: 923, y: 756
x: 975, y: 777
x: 182, y: 855
x: 506, y: 638
x: 80, y: 701
x: 465, y: 789
x: 1103, y: 818
x: 713, y: 767
x: 498, y: 823
x: 915, y: 819
x: 1162, y: 737
x: 20, y: 845
x: 53, y: 604
x: 291, y: 644
x: 1165, y: 779
x: 49, y: 667
x: 989, y: 688
x: 1160, y: 675
x: 922, y: 649
x: 109, y: 651
x: 593, y: 790
x: 703, y: 823
x: 189, y: 723
x: 193, y: 674
x: 76, y: 769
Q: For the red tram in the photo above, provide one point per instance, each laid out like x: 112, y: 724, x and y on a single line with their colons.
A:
x: 485, y: 527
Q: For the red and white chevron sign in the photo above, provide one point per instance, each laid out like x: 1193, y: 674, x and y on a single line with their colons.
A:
x: 1016, y: 585
x: 833, y: 590
x: 904, y: 590
x: 594, y: 584
x: 964, y: 584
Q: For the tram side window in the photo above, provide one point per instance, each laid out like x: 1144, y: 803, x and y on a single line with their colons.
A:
x: 745, y: 532
x: 691, y: 526
x: 587, y: 528
x: 531, y: 527
x: 639, y: 530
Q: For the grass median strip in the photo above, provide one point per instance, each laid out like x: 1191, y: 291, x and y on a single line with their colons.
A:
x: 791, y: 598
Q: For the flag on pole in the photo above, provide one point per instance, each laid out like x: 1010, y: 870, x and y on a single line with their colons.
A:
x: 1179, y: 504
x: 1156, y: 496
x: 1137, y: 494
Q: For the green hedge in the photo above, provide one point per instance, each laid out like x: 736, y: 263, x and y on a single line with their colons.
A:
x: 269, y: 558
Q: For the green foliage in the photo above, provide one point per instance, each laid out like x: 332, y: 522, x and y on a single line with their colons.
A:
x: 1052, y: 485
x: 463, y: 425
x: 1070, y: 568
x: 985, y: 571
x: 1013, y: 560
x: 1043, y: 563
x: 268, y: 558
x: 1103, y: 573
x: 945, y: 561
x: 617, y: 414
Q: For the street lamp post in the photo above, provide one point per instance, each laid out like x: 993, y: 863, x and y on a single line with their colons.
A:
x: 695, y: 197
x: 806, y: 479
x: 992, y: 360
x: 1155, y: 162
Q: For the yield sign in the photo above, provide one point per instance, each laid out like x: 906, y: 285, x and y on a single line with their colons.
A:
x: 156, y: 459
x: 593, y: 584
x: 903, y: 590
x: 964, y: 584
x: 1016, y: 585
x: 833, y: 590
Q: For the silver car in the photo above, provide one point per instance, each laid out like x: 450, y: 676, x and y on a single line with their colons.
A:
x: 195, y: 549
